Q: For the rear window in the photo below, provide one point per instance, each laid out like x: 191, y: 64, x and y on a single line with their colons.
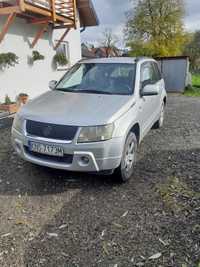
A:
x: 157, y: 72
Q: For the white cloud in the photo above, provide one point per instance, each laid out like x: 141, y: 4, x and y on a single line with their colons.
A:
x: 192, y: 19
x: 112, y: 15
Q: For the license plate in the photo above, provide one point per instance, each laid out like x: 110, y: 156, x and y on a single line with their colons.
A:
x: 46, y: 149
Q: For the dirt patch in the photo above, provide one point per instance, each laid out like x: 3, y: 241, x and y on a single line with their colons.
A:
x: 177, y: 196
x: 55, y: 218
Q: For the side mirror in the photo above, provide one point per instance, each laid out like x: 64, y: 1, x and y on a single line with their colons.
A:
x: 149, y: 90
x: 52, y: 84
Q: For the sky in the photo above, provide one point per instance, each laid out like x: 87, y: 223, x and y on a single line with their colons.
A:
x: 111, y: 14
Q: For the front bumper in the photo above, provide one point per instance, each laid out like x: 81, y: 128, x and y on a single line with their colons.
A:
x: 101, y: 155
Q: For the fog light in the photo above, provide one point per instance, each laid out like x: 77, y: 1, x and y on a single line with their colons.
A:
x: 85, y: 160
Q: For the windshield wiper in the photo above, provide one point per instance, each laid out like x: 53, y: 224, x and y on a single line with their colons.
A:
x: 93, y: 92
x: 60, y: 89
x: 70, y: 89
x: 74, y: 90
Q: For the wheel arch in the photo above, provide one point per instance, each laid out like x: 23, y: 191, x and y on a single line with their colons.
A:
x: 165, y: 100
x: 136, y: 130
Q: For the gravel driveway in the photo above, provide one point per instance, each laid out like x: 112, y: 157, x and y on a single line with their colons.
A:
x: 58, y: 219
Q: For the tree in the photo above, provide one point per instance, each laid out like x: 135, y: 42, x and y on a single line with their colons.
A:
x: 155, y: 28
x: 192, y: 49
x: 109, y: 40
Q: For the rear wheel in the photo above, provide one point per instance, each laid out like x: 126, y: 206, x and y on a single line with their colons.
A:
x: 125, y: 170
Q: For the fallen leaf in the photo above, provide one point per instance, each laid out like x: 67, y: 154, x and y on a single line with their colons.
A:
x: 125, y: 213
x: 163, y: 242
x: 117, y: 225
x: 62, y: 226
x: 155, y: 256
x: 105, y: 248
x: 103, y: 233
x: 139, y: 264
x: 52, y: 234
x: 5, y: 235
x: 21, y: 222
x: 64, y: 254
x: 3, y: 252
x: 132, y: 259
x: 41, y: 261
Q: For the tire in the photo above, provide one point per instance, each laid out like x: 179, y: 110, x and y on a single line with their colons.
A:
x: 129, y: 157
x: 160, y: 122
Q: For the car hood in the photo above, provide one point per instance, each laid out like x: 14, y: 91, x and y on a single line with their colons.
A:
x: 78, y: 109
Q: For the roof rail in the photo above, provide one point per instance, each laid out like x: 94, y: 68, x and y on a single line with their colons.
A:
x: 140, y: 58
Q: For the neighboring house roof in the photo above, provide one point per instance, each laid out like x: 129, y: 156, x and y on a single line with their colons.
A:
x: 88, y: 16
x: 99, y: 52
x: 86, y: 52
x: 106, y: 52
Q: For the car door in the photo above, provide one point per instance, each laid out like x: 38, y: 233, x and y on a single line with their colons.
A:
x: 148, y: 105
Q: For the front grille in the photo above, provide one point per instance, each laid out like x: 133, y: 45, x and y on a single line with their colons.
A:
x: 67, y: 158
x: 49, y: 130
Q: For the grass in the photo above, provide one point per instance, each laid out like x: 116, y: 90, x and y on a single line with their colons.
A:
x: 196, y: 80
x: 194, y: 90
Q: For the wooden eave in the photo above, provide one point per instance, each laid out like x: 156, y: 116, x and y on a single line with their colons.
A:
x: 88, y: 16
x: 59, y: 14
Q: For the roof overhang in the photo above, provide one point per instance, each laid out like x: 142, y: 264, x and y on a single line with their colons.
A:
x: 88, y: 16
x: 172, y: 57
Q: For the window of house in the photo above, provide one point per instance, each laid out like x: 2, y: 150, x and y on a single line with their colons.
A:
x: 63, y: 49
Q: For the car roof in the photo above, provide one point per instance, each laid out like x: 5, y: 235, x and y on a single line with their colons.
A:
x: 125, y: 60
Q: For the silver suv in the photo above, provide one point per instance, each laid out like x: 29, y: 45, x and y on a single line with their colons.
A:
x: 94, y: 118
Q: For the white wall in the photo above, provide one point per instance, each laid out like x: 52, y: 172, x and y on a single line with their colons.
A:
x: 34, y: 79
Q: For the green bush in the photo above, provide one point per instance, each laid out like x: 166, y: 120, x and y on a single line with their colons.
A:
x: 60, y: 59
x: 8, y: 60
x: 7, y: 100
x: 37, y: 56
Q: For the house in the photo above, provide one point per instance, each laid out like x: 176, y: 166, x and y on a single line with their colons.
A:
x: 86, y: 52
x: 40, y: 29
x: 106, y: 52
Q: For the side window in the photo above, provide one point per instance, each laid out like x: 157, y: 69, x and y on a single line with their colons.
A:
x: 145, y: 73
x: 148, y: 73
x: 157, y: 71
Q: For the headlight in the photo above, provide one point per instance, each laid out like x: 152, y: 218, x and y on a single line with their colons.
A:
x: 96, y: 133
x: 18, y: 123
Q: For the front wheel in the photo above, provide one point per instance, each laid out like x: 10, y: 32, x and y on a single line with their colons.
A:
x: 125, y: 170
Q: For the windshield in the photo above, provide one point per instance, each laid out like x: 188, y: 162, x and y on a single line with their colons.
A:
x: 102, y: 78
